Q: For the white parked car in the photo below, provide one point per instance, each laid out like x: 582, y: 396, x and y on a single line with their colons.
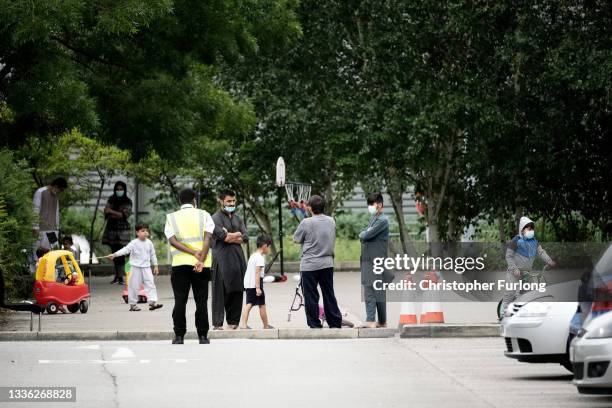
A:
x: 537, y: 330
x: 591, y: 354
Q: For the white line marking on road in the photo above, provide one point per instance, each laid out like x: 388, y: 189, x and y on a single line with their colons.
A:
x: 59, y: 361
x: 91, y: 347
x: 119, y: 361
x: 109, y: 361
x: 123, y: 352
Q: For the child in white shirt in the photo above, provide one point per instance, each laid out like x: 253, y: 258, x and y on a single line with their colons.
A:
x: 253, y: 282
x: 142, y: 257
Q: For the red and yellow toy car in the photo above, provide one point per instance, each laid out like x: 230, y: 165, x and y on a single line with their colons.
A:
x: 59, y: 281
x: 142, y: 295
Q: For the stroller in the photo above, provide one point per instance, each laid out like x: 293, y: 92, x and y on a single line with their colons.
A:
x: 348, y: 319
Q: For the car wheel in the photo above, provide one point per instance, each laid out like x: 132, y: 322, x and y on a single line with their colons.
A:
x: 73, y: 308
x: 565, y: 362
x: 499, y: 309
x: 52, y: 308
x: 84, y: 306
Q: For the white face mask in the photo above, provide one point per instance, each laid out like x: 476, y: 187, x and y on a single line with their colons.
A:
x: 119, y: 193
x: 529, y: 234
x: 372, y: 209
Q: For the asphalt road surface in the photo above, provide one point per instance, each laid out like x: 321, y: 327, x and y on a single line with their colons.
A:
x: 290, y: 373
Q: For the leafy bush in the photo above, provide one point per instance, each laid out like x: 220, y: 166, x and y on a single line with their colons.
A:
x: 15, y: 225
x: 349, y: 225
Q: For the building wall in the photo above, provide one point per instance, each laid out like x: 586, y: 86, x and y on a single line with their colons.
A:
x: 357, y: 203
x: 141, y: 198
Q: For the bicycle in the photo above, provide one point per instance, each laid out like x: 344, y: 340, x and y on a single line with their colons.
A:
x: 528, y: 277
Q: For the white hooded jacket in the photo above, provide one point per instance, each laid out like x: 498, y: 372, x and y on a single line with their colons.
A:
x: 517, y: 261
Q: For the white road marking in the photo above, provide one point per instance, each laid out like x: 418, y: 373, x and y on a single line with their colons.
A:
x: 59, y: 361
x: 123, y: 352
x: 91, y: 347
x: 109, y: 361
x: 120, y: 361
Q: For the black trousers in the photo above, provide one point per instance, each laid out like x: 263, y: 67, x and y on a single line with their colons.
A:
x: 184, y: 277
x: 325, y: 279
x: 119, y: 262
x: 225, y: 304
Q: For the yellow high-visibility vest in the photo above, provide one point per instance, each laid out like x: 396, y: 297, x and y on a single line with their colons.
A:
x: 188, y: 225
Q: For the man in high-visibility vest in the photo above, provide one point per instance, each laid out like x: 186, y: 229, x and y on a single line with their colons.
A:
x: 189, y: 231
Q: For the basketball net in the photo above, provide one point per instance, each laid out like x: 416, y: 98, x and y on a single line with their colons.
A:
x: 298, y: 195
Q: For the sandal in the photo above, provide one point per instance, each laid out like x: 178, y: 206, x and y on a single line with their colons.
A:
x: 269, y: 327
x: 245, y: 328
x: 154, y: 306
x: 134, y: 308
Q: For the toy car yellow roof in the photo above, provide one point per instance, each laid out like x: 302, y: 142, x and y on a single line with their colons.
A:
x: 46, y: 265
x: 53, y: 255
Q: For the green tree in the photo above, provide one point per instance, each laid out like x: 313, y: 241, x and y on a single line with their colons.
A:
x: 16, y: 218
x: 90, y: 166
x: 140, y: 74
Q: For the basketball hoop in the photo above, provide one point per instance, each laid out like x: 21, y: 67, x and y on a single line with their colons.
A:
x: 298, y: 195
x: 280, y: 172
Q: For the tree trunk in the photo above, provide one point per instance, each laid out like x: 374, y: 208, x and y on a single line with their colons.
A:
x: 501, y: 226
x: 398, y: 208
x: 433, y: 229
x: 451, y: 233
x: 519, y: 211
x: 329, y: 194
x: 261, y: 218
x: 93, y: 220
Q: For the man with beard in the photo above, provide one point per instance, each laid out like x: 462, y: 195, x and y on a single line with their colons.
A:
x: 229, y: 264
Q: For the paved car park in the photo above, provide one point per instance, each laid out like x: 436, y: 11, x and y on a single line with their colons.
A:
x: 108, y: 311
x: 392, y: 372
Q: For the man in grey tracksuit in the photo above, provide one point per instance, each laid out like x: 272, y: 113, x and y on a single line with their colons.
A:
x: 520, y: 255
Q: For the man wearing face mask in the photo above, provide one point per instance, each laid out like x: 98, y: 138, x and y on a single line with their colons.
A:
x: 520, y: 255
x: 229, y: 264
x: 374, y: 244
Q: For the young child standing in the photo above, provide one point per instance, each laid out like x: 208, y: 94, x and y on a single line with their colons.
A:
x: 68, y: 245
x: 253, y: 282
x: 142, y: 258
x: 520, y: 256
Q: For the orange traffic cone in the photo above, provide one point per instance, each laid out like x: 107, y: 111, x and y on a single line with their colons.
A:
x: 432, y: 308
x: 408, y: 314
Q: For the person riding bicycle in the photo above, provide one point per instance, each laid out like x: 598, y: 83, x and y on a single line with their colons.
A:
x: 520, y: 255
